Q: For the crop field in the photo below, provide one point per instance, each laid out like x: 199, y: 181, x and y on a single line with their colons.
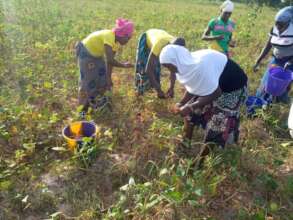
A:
x: 133, y: 170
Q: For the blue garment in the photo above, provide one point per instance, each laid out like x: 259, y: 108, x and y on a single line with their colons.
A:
x: 142, y: 82
x: 93, y: 78
x: 261, y: 93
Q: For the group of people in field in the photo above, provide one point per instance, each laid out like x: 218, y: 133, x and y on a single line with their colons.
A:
x: 215, y: 85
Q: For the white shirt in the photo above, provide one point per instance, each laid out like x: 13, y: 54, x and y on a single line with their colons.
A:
x: 282, y: 43
x: 199, y: 71
x: 204, y: 79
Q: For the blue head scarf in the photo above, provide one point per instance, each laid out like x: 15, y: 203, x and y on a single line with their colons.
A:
x: 285, y: 15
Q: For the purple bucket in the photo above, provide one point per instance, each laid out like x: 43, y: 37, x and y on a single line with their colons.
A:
x: 278, y: 81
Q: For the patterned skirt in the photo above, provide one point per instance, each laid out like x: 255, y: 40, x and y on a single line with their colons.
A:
x: 93, y: 80
x: 221, y: 119
x: 142, y: 82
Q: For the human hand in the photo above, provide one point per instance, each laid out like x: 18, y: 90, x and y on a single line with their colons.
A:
x: 232, y: 43
x: 176, y: 108
x: 186, y: 110
x: 220, y: 37
x: 287, y: 65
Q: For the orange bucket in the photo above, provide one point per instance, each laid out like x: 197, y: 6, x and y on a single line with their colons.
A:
x: 76, y: 131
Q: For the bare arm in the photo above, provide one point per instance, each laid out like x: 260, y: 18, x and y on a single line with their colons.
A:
x: 109, y: 75
x: 170, y: 92
x: 205, y: 100
x: 110, y: 57
x: 150, y: 71
x: 111, y: 62
x: 172, y: 80
x: 206, y: 35
x: 231, y: 42
x: 289, y: 63
x: 200, y: 102
x: 186, y: 98
x: 264, y: 52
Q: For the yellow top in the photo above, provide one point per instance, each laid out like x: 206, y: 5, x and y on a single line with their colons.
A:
x: 157, y: 39
x: 215, y: 46
x: 96, y: 41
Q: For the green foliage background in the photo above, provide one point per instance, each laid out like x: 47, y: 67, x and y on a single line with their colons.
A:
x: 138, y: 173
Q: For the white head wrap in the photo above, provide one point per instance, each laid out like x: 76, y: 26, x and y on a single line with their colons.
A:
x: 227, y: 6
x: 199, y: 71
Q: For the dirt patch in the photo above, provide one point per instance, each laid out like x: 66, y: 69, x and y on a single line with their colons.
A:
x: 53, y: 182
x: 254, y: 129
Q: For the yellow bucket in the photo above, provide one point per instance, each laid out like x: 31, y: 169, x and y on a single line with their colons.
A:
x: 76, y: 131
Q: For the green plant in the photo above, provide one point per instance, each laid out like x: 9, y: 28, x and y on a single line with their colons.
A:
x: 137, y: 141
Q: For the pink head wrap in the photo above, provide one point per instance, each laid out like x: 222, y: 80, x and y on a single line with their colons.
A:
x: 123, y: 28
